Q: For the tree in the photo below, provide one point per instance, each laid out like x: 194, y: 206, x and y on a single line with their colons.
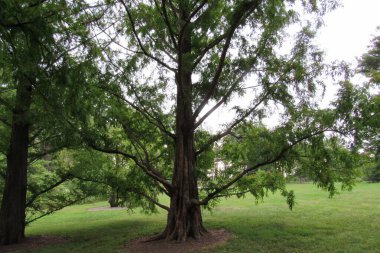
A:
x: 369, y: 64
x: 39, y: 42
x: 173, y: 63
x: 367, y: 110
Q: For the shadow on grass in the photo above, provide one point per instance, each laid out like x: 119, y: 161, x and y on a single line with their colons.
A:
x: 105, y: 236
x: 276, y: 235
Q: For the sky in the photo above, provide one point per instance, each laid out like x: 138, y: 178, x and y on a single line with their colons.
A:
x: 348, y: 30
x: 346, y: 35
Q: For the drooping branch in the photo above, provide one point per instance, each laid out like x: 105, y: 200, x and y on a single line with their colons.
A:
x: 35, y: 156
x: 151, y: 172
x: 222, y: 100
x: 128, y: 189
x: 146, y: 53
x: 144, y: 112
x: 56, y: 209
x: 231, y: 127
x: 49, y: 188
x: 149, y: 198
x: 34, y: 141
x: 249, y: 169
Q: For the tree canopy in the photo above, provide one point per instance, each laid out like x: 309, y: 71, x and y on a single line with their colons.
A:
x: 168, y: 65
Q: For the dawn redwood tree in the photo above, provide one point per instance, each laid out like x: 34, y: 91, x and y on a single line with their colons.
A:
x: 41, y: 48
x: 171, y: 64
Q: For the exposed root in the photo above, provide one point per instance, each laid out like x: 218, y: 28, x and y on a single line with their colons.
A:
x: 159, y: 243
x: 157, y: 237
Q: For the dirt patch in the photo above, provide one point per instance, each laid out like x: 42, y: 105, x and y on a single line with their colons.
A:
x: 106, y: 208
x: 33, y: 242
x: 212, y: 239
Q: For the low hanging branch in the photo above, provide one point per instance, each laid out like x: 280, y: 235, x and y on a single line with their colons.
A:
x: 148, y: 170
x: 56, y: 209
x: 254, y: 168
x: 49, y: 188
x: 128, y: 189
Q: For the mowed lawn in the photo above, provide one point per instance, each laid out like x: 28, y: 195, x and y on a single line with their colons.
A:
x: 350, y: 222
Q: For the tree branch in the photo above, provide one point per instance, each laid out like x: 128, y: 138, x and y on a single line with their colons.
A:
x: 244, y: 10
x: 5, y: 122
x: 151, y: 119
x: 149, y: 198
x: 231, y: 127
x: 129, y: 189
x: 149, y: 171
x: 139, y: 41
x: 279, y: 156
x: 55, y: 209
x: 208, y: 48
x: 167, y: 22
x: 49, y: 188
x: 6, y: 104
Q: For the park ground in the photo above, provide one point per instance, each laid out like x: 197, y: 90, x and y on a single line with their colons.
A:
x: 349, y: 222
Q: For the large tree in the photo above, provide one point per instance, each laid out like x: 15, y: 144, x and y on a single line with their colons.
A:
x: 171, y: 64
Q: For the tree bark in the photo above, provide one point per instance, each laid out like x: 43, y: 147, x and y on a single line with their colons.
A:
x: 184, y: 218
x: 12, y: 212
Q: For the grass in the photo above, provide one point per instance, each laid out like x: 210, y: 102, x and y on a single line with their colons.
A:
x: 350, y: 222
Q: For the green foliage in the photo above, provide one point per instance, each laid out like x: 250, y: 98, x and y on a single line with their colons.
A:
x: 359, y: 112
x: 322, y: 159
x: 370, y: 62
x: 46, y: 43
x: 229, y: 48
x: 109, y: 77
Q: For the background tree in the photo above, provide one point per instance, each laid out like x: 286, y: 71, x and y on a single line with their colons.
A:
x: 366, y: 111
x: 39, y: 42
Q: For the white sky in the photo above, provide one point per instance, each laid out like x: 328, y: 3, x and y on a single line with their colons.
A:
x: 349, y: 29
x: 346, y: 35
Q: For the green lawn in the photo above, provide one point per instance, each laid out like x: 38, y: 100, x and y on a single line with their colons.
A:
x: 350, y: 222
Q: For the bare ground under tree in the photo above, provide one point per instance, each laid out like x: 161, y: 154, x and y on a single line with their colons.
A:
x: 33, y: 242
x: 212, y: 239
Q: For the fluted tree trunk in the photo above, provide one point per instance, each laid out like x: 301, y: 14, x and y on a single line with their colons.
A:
x: 184, y: 218
x: 12, y: 212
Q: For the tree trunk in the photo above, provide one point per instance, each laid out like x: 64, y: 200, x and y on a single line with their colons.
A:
x: 114, y: 198
x: 12, y: 212
x: 184, y: 217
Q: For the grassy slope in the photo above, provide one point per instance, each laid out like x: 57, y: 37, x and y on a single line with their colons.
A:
x: 350, y: 222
